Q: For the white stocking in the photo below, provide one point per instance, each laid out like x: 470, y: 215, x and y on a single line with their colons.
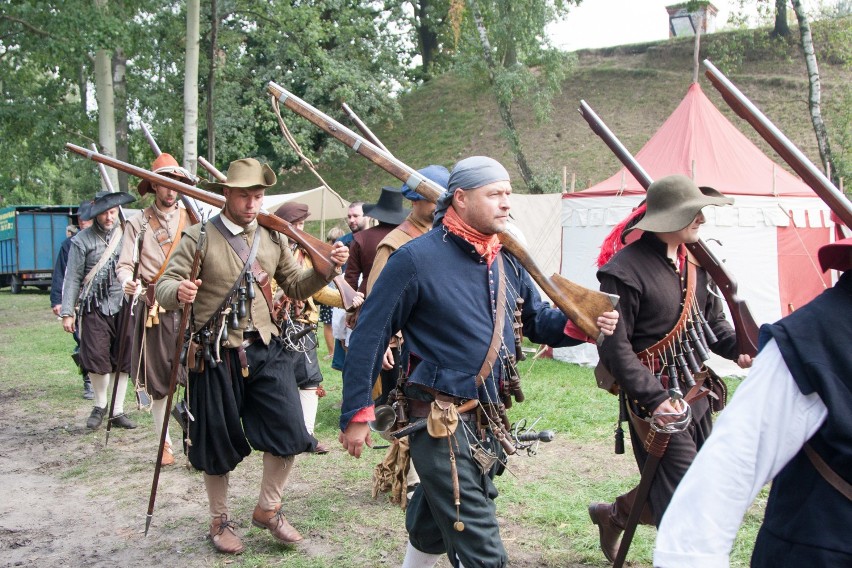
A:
x: 121, y: 392
x: 310, y: 403
x: 416, y: 559
x: 158, y: 413
x: 100, y: 384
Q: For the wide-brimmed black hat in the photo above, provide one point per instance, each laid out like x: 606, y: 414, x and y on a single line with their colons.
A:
x: 388, y: 209
x: 246, y: 173
x: 83, y: 210
x: 674, y: 201
x: 104, y: 201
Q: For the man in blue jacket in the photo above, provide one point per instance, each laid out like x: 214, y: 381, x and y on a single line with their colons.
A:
x: 445, y: 290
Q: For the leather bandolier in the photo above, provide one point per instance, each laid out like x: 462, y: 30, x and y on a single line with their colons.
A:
x: 204, y: 347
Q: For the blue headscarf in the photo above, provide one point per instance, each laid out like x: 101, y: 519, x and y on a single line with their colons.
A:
x: 438, y: 174
x: 469, y: 173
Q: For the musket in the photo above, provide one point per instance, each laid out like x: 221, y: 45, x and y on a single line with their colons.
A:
x: 744, y: 324
x: 365, y: 130
x: 788, y: 151
x: 191, y: 207
x: 319, y: 251
x: 347, y: 294
x: 124, y: 327
x: 173, y: 374
x: 581, y: 305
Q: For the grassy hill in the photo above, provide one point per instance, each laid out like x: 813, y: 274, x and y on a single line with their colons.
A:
x: 633, y: 88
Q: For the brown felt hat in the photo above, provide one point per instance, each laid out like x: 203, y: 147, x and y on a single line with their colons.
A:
x: 674, y: 201
x: 166, y: 165
x: 293, y: 212
x: 246, y: 173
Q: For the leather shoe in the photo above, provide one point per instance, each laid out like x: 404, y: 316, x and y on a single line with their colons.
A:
x: 609, y: 531
x: 168, y: 455
x: 95, y: 418
x: 224, y: 537
x: 122, y: 421
x: 322, y: 448
x: 276, y: 523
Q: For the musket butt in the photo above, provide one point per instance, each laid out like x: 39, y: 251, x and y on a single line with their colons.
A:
x: 600, y: 339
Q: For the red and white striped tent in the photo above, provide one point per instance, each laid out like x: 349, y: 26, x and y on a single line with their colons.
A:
x: 768, y: 239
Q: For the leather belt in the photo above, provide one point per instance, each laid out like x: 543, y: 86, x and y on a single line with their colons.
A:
x: 421, y: 408
x: 249, y: 337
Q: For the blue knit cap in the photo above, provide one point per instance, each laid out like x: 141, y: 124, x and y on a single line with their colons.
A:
x: 469, y: 173
x: 438, y: 174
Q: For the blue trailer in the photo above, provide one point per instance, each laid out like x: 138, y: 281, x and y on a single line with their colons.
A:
x: 30, y: 237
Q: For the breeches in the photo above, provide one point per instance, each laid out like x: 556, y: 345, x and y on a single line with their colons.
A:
x: 234, y: 414
x: 431, y: 512
x: 99, y: 342
x: 152, y: 363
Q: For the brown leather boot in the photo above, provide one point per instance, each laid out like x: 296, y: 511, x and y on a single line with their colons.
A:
x: 276, y: 523
x: 224, y: 537
x: 609, y: 531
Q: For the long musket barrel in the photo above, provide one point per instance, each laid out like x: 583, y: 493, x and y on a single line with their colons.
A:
x: 746, y: 328
x: 581, y: 305
x: 319, y: 251
x: 364, y: 128
x: 788, y: 151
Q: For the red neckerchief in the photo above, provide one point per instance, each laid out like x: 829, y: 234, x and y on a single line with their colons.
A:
x: 486, y: 245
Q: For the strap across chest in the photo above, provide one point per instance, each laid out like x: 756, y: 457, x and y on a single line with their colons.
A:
x: 249, y: 257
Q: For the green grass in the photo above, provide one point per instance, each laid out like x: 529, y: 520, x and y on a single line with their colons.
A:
x: 542, y: 503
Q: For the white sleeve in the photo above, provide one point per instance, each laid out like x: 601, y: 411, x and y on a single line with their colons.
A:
x: 763, y: 427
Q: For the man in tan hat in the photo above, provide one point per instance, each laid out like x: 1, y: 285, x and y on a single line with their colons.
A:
x: 155, y: 330
x: 93, y: 303
x: 242, y: 391
x: 658, y: 349
x: 790, y: 422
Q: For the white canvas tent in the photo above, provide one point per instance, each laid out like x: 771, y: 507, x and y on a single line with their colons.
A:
x: 767, y: 239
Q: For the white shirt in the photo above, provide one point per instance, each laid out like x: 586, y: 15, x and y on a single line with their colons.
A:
x: 759, y: 432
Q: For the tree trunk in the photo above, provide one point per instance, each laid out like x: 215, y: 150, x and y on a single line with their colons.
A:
x: 814, y: 92
x: 83, y: 86
x: 211, y: 82
x: 781, y: 28
x: 106, y: 108
x: 504, y: 106
x: 119, y: 74
x: 427, y: 37
x: 190, y: 87
x: 106, y: 103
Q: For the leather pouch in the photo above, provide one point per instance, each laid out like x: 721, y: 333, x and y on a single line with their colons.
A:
x: 442, y: 420
x: 149, y: 293
x: 191, y: 356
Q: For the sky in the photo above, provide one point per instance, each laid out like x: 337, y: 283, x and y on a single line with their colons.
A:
x: 605, y: 23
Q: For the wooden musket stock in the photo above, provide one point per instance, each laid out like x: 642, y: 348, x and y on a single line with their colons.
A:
x: 788, y: 151
x: 744, y: 324
x: 581, y: 305
x: 319, y: 251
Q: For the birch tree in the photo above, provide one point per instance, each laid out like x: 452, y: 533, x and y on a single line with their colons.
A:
x: 190, y: 86
x: 814, y: 90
